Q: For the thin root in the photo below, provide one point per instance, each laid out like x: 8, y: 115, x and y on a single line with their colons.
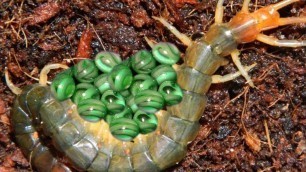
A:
x: 231, y: 101
x: 268, y: 135
x: 28, y: 75
x: 251, y: 138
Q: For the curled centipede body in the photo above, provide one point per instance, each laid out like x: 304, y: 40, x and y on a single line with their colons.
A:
x: 91, y: 147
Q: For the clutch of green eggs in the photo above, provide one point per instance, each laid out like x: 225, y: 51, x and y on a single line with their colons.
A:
x: 125, y: 94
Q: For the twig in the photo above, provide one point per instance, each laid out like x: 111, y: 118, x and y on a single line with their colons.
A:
x: 265, y: 73
x: 20, y: 8
x: 28, y: 75
x: 244, y: 107
x: 273, y: 103
x: 25, y: 37
x: 268, y: 135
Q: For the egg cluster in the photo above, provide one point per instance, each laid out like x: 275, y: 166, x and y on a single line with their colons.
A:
x: 126, y: 94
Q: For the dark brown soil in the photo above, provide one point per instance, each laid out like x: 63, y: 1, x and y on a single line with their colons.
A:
x: 235, y: 126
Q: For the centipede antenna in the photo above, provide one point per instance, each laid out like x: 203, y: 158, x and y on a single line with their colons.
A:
x: 10, y: 84
x: 291, y: 20
x: 280, y: 43
x: 43, y: 78
x: 219, y: 12
x: 182, y: 37
x: 245, y: 6
x: 283, y: 4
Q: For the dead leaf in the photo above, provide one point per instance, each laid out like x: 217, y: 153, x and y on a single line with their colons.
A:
x: 84, y: 48
x: 301, y: 148
x: 253, y: 142
x: 44, y: 13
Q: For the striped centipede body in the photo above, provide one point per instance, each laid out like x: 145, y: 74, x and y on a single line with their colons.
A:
x: 42, y: 123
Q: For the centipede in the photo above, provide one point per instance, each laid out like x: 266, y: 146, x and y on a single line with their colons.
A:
x: 47, y: 127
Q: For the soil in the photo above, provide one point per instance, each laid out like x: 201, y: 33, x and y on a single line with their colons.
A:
x: 242, y: 128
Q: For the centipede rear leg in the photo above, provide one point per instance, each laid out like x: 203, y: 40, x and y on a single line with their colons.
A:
x: 34, y: 147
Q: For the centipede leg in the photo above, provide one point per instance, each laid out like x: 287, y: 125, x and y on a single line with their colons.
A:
x: 244, y: 73
x: 182, y: 37
x: 231, y: 76
x: 219, y: 12
x: 245, y: 6
x: 235, y: 53
x: 44, y: 72
x: 10, y: 84
x: 149, y: 42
